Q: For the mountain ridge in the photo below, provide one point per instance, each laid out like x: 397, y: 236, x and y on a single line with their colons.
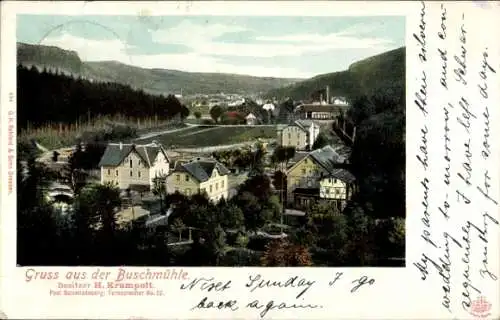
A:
x: 151, y: 80
x: 382, y: 73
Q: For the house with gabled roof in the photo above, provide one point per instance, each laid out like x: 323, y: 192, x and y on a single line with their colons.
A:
x: 337, y: 187
x: 305, y: 175
x: 199, y: 175
x: 251, y: 119
x: 300, y: 134
x: 134, y: 166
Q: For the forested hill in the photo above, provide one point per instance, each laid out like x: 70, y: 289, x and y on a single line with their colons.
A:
x: 45, y: 97
x: 156, y: 81
x: 381, y: 74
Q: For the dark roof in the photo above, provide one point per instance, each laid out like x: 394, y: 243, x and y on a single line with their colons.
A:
x: 116, y: 152
x: 342, y: 174
x: 302, y: 124
x: 305, y: 123
x: 201, y: 169
x: 327, y: 158
x: 320, y: 108
x: 299, y: 155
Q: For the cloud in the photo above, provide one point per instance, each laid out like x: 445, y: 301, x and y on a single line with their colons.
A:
x: 361, y: 28
x: 206, y: 54
x: 102, y: 50
x: 327, y: 42
x: 90, y: 49
x: 202, y: 40
x: 189, y: 33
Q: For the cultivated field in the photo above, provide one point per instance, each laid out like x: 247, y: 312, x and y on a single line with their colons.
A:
x: 204, y: 136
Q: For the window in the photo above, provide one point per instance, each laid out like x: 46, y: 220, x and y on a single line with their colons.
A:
x: 109, y: 172
x: 327, y: 190
x: 188, y: 192
x: 210, y: 188
x: 178, y: 177
x: 216, y: 186
x: 222, y: 184
x: 139, y: 162
x: 116, y: 172
x: 334, y: 180
x: 139, y: 174
x: 130, y: 163
x: 337, y: 191
x: 329, y: 180
x: 131, y: 173
x: 289, y: 136
x: 187, y: 177
x: 303, y: 171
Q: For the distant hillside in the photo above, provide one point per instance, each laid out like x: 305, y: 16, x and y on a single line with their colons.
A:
x: 156, y: 81
x: 384, y: 72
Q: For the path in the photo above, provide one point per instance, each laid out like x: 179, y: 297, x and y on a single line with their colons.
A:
x: 200, y: 131
x: 219, y: 147
x: 191, y: 125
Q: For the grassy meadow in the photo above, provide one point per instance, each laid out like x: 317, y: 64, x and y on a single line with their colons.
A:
x: 204, y: 136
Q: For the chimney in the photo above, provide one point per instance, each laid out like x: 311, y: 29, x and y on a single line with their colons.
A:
x: 121, y: 145
x: 327, y: 94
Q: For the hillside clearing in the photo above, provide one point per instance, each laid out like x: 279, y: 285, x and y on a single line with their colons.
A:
x: 202, y: 137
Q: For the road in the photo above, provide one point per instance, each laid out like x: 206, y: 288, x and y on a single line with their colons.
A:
x: 219, y: 147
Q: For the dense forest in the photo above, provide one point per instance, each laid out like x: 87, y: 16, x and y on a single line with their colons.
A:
x: 45, y: 97
x: 378, y: 152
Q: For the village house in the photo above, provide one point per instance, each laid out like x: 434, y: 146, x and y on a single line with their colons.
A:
x: 132, y: 166
x: 301, y: 134
x: 339, y: 101
x: 251, y: 119
x: 317, y: 111
x: 200, y: 175
x: 305, y: 175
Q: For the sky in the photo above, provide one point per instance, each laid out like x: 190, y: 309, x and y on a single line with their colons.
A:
x: 292, y: 47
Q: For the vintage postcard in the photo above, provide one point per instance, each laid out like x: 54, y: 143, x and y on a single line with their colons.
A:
x: 249, y: 160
